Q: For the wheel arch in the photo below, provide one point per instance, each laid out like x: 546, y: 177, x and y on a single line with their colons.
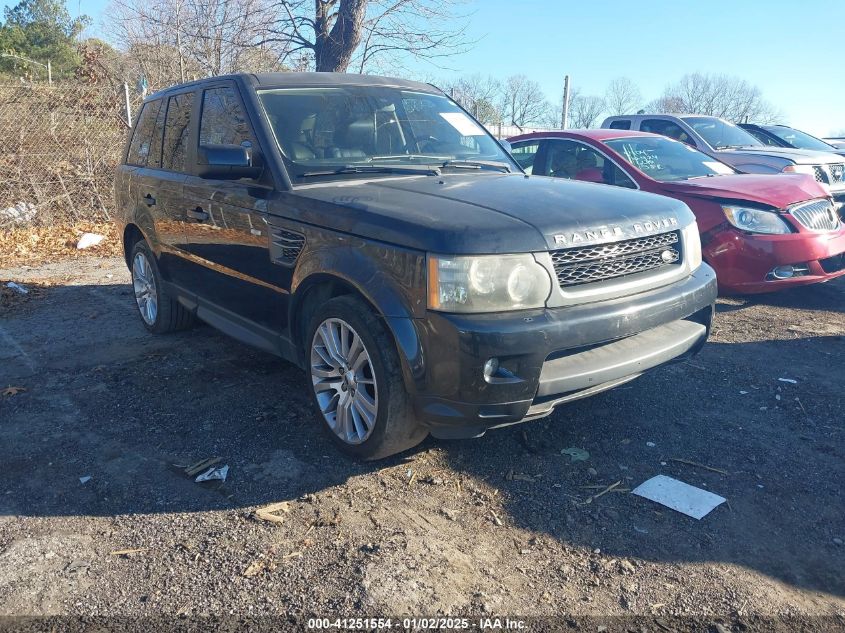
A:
x: 319, y: 287
x: 132, y: 234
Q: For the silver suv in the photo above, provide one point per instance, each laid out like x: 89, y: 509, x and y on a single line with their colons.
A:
x: 732, y: 145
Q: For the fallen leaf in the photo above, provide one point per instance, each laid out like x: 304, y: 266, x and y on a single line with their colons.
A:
x: 267, y: 512
x: 254, y: 568
x: 12, y: 391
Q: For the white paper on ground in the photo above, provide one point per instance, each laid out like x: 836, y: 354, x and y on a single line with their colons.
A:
x: 213, y: 473
x: 686, y: 499
x: 88, y: 240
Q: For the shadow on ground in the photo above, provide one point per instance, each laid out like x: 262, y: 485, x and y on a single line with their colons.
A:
x: 108, y: 401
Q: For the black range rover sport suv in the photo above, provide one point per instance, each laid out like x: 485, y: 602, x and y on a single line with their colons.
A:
x: 372, y: 232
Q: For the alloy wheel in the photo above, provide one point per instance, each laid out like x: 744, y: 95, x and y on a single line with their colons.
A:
x: 144, y: 283
x: 344, y: 381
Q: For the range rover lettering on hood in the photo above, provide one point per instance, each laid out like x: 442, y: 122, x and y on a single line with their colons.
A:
x: 605, y: 233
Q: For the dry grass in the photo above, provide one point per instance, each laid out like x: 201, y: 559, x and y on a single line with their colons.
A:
x: 34, y: 245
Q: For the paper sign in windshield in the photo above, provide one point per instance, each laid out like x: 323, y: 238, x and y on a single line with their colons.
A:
x: 462, y: 123
x: 719, y: 168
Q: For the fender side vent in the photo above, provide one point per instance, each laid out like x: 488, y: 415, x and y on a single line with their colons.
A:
x: 285, y: 246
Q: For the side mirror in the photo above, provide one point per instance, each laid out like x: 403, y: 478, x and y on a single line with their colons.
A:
x: 228, y: 162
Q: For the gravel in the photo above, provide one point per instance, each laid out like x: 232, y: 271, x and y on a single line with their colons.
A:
x: 500, y: 525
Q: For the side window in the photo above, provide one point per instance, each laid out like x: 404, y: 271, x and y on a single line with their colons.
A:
x: 764, y: 138
x: 154, y: 158
x: 176, y: 130
x: 223, y: 119
x: 620, y: 125
x: 561, y: 159
x: 524, y: 152
x: 139, y: 148
x: 576, y: 161
x: 666, y: 128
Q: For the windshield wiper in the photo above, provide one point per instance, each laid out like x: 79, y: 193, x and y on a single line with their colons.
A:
x: 374, y: 169
x: 411, y: 156
x: 477, y: 164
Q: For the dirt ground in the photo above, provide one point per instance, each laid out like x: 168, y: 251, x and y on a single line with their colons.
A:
x: 503, y: 525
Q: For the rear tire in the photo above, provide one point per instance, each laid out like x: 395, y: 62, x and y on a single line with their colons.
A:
x: 159, y: 311
x: 357, y: 384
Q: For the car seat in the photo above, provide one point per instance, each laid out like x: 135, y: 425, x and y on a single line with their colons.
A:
x: 588, y: 169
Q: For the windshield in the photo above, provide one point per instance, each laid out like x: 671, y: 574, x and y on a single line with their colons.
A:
x: 721, y: 134
x: 352, y: 129
x: 666, y: 160
x: 801, y: 140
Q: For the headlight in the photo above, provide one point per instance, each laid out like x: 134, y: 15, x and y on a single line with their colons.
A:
x: 486, y: 283
x: 800, y: 169
x: 692, y: 246
x: 756, y: 220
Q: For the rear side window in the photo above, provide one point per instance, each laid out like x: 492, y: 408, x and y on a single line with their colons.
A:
x: 223, y: 119
x: 176, y: 130
x: 142, y: 137
x: 620, y: 125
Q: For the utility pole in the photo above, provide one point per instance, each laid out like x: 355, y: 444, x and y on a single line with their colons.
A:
x: 564, y: 119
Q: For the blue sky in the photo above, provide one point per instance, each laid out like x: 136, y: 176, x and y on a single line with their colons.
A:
x: 790, y: 50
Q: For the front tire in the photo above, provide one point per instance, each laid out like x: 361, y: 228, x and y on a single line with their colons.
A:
x: 159, y: 311
x: 357, y: 382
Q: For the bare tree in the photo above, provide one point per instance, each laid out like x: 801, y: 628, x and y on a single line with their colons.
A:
x: 723, y: 96
x: 522, y: 101
x: 622, y: 97
x: 168, y: 41
x: 219, y: 36
x: 339, y: 34
x: 584, y: 110
x: 479, y: 95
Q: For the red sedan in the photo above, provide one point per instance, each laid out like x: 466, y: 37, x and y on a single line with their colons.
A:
x: 760, y: 232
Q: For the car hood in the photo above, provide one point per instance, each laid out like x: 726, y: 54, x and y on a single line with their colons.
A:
x: 776, y: 190
x: 798, y: 156
x: 487, y: 213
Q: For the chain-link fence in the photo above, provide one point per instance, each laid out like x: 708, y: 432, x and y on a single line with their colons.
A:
x: 59, y: 146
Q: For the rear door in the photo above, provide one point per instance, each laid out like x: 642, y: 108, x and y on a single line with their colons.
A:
x: 157, y: 191
x: 228, y: 234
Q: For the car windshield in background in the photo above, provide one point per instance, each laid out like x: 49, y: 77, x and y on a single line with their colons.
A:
x: 801, y: 140
x: 721, y: 134
x: 367, y: 129
x: 666, y: 160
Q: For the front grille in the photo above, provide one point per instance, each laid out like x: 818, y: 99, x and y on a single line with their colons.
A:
x: 588, y: 264
x: 816, y: 216
x: 832, y: 175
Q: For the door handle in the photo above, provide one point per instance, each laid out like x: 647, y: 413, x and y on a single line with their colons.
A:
x: 197, y: 214
x: 149, y: 200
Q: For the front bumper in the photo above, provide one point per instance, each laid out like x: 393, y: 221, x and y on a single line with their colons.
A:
x: 550, y: 356
x: 744, y: 262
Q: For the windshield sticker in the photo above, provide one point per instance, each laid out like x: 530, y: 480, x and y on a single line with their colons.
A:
x: 643, y: 159
x: 719, y: 168
x: 462, y: 123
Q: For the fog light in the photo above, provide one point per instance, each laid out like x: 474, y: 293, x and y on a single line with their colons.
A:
x: 788, y: 272
x: 783, y: 272
x: 491, y: 367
